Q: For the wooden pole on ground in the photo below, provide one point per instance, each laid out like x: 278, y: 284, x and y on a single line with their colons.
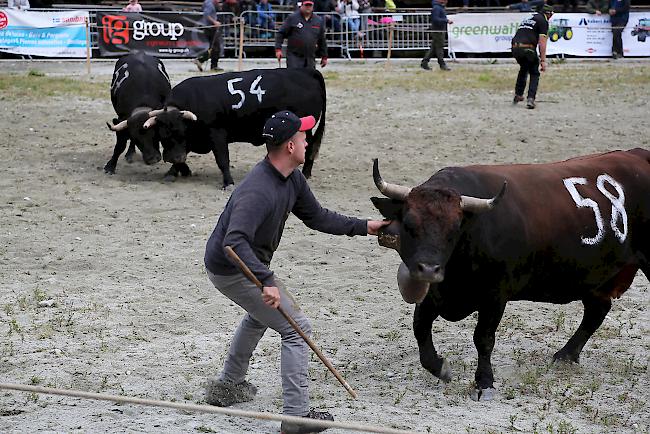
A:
x: 390, y: 43
x: 249, y: 274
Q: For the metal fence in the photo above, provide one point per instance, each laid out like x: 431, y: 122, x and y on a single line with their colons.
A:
x: 376, y: 31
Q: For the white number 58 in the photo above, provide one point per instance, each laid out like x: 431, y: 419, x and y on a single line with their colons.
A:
x: 618, y: 206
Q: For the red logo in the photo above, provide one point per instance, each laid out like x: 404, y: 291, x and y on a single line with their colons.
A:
x: 115, y: 29
x: 4, y: 21
x: 590, y: 50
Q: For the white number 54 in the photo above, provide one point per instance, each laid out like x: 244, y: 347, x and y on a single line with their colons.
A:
x: 254, y: 90
x: 618, y: 206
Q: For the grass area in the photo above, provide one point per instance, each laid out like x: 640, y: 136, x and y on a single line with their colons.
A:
x: 36, y: 84
x: 559, y: 77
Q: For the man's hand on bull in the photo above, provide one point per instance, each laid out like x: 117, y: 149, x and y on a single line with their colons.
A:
x: 271, y: 296
x: 375, y: 225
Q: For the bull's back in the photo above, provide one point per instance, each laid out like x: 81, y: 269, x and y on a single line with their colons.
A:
x: 562, y: 228
x: 147, y: 83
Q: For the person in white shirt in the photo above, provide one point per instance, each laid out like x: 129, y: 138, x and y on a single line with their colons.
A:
x: 18, y: 4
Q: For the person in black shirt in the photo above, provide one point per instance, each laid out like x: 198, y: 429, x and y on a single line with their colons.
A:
x: 252, y: 224
x: 305, y: 34
x: 532, y: 32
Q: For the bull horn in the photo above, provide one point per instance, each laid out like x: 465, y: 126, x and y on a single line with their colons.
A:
x: 119, y: 127
x: 392, y: 191
x: 149, y: 123
x: 186, y: 114
x: 474, y: 204
x: 154, y: 113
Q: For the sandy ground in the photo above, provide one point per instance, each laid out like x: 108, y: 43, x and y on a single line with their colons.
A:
x: 135, y: 314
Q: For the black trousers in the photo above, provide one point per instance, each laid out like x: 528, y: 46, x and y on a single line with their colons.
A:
x: 437, y: 48
x: 617, y: 40
x: 215, y: 36
x: 298, y: 61
x: 528, y: 65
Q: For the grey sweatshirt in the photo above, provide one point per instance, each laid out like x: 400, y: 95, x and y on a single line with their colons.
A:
x: 253, y: 220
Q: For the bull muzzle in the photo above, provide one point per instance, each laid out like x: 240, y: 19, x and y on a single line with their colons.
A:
x: 412, y: 290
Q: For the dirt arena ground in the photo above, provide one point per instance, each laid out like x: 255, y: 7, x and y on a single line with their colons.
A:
x: 134, y: 314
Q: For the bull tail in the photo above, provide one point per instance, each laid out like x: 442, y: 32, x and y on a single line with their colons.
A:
x: 318, y: 135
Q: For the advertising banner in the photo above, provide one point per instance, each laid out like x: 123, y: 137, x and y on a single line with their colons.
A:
x: 483, y: 33
x: 51, y: 34
x: 574, y: 34
x: 157, y: 34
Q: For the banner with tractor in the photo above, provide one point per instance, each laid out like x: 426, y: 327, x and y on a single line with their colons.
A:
x: 573, y: 34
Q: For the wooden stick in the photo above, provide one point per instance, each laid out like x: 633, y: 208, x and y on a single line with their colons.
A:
x: 87, y: 45
x: 348, y: 426
x: 249, y: 274
x: 241, y: 43
x: 390, y: 43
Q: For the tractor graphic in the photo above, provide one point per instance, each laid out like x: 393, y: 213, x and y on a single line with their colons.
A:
x: 642, y: 29
x: 559, y: 30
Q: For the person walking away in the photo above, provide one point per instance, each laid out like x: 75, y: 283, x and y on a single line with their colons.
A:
x: 531, y: 34
x: 213, y: 32
x: 439, y: 23
x: 619, y: 11
x: 305, y: 35
x: 252, y: 224
x: 132, y: 6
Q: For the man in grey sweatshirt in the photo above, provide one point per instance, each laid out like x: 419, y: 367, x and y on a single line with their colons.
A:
x: 252, y: 224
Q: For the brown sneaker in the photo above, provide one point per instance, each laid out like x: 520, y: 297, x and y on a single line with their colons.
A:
x: 294, y: 428
x: 517, y: 99
x: 223, y: 393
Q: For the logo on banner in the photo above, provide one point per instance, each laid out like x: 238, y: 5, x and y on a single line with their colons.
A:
x: 583, y: 22
x: 115, y: 29
x: 4, y: 21
x: 142, y: 29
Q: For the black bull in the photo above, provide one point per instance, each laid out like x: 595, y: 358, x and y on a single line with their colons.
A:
x: 140, y: 84
x: 572, y: 230
x: 205, y: 114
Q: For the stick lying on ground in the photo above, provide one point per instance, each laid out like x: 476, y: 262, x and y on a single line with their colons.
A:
x: 201, y: 408
x: 249, y: 274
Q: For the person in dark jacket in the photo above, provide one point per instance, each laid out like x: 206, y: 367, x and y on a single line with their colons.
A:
x: 252, y: 224
x: 439, y: 23
x: 598, y: 7
x: 532, y: 32
x: 619, y: 11
x: 212, y: 30
x: 305, y: 34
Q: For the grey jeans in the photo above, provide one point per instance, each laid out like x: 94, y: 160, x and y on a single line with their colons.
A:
x: 259, y: 316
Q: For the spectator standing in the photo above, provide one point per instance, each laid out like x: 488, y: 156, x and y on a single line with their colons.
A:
x: 18, y: 4
x: 132, y: 6
x: 619, y: 11
x: 305, y: 35
x: 252, y: 224
x: 265, y: 18
x: 528, y: 6
x: 532, y: 32
x: 349, y: 9
x: 328, y: 9
x: 598, y: 7
x: 439, y: 23
x: 364, y: 8
x: 211, y: 9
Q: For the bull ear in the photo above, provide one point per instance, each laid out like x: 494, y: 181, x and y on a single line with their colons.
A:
x: 389, y: 208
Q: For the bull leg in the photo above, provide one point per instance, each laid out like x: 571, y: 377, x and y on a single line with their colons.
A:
x: 423, y: 317
x: 120, y: 146
x: 176, y: 169
x: 222, y: 155
x: 130, y: 153
x: 489, y: 318
x: 309, y: 157
x: 595, y: 311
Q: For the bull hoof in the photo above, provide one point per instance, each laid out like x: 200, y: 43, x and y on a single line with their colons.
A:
x: 487, y: 394
x: 186, y: 173
x: 565, y: 357
x: 445, y: 372
x: 169, y: 178
x: 129, y: 158
x: 228, y: 188
x: 110, y: 170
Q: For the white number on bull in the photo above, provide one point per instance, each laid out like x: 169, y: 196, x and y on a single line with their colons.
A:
x: 618, y: 206
x: 121, y: 74
x: 254, y: 90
